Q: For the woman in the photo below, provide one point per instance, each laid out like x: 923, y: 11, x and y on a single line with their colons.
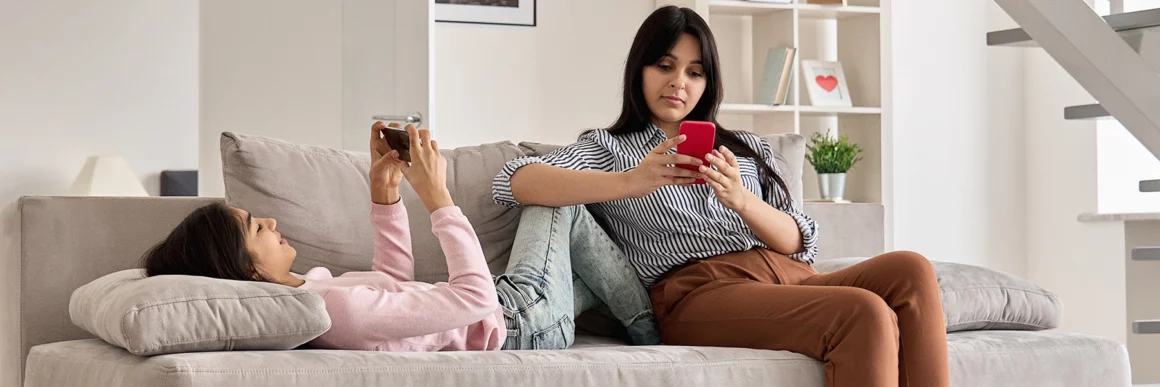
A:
x: 728, y: 262
x: 531, y: 306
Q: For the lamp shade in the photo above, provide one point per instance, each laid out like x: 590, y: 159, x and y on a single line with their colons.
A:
x: 107, y: 176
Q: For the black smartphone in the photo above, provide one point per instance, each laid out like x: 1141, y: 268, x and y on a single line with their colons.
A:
x: 398, y: 140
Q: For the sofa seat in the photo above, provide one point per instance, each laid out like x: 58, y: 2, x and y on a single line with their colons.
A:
x: 982, y: 358
x: 1043, y: 358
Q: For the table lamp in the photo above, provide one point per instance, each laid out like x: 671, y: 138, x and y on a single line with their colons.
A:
x: 107, y: 176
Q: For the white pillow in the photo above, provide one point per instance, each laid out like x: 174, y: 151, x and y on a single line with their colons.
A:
x: 173, y: 313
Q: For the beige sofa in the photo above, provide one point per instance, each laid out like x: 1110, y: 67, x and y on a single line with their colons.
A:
x: 53, y: 245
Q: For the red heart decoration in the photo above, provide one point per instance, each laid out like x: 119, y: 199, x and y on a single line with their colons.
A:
x: 827, y: 82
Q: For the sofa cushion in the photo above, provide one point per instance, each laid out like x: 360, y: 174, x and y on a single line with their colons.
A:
x: 977, y: 298
x: 172, y: 313
x: 789, y: 147
x: 981, y: 358
x: 1047, y: 358
x: 320, y: 197
x: 590, y: 362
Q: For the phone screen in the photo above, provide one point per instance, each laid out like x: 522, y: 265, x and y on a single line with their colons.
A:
x: 398, y: 140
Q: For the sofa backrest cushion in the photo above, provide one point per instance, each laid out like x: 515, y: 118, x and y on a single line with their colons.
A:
x: 320, y: 197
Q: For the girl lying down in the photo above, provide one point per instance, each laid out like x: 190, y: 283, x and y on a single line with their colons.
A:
x: 531, y: 306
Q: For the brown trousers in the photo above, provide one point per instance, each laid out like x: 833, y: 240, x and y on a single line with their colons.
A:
x: 878, y: 323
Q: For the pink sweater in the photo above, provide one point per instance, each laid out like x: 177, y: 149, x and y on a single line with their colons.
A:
x: 385, y: 310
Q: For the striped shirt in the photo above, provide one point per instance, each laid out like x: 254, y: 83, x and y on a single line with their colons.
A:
x: 674, y: 224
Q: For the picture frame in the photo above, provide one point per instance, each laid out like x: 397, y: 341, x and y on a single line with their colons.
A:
x: 496, y: 12
x: 826, y: 83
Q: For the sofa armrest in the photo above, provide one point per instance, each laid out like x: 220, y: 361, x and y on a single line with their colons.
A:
x: 53, y: 245
x: 848, y: 229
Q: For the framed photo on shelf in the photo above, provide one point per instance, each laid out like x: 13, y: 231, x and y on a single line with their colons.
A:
x: 826, y: 83
x: 500, y: 12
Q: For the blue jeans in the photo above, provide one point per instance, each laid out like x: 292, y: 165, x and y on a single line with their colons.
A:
x: 562, y: 263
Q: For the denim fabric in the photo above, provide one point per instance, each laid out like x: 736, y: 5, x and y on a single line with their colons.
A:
x: 563, y: 263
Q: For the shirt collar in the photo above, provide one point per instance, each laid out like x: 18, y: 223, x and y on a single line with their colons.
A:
x: 655, y: 133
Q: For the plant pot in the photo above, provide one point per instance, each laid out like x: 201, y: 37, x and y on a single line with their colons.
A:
x: 832, y: 185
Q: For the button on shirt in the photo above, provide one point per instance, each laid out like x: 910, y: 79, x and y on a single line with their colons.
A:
x: 674, y: 224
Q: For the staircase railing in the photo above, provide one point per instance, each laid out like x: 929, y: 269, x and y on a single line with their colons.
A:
x: 1092, y: 51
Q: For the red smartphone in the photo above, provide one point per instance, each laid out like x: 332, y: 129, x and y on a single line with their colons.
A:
x: 698, y: 143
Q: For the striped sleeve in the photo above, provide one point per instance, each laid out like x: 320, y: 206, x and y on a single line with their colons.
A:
x: 584, y: 155
x: 779, y: 199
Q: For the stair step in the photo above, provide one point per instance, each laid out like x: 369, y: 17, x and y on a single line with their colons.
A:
x: 1119, y: 22
x: 1083, y: 112
x: 1144, y: 327
x: 1149, y: 185
x: 1146, y: 254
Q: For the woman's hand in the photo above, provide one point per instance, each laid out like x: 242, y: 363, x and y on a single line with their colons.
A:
x: 386, y: 168
x: 428, y: 170
x: 656, y: 170
x: 726, y: 180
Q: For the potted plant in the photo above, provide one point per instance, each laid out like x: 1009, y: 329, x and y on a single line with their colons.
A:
x: 831, y: 158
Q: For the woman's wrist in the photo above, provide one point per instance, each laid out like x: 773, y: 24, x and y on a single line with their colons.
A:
x: 385, y: 196
x: 436, y: 199
x: 748, y: 202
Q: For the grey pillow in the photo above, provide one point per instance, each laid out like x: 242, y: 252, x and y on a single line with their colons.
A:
x: 320, y: 197
x: 977, y: 298
x: 789, y: 147
x: 171, y: 314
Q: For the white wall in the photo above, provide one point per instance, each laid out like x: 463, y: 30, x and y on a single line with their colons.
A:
x: 81, y: 78
x: 1081, y: 262
x: 545, y: 83
x: 957, y: 139
x: 1123, y: 162
x: 262, y: 79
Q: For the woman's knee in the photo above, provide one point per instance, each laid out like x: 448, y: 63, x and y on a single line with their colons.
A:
x: 909, y: 265
x: 868, y: 310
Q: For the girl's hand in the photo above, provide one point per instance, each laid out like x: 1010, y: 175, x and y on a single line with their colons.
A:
x: 386, y: 168
x: 428, y: 170
x: 726, y: 180
x: 656, y: 170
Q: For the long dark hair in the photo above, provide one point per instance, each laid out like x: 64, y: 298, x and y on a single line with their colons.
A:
x: 209, y: 242
x: 655, y: 38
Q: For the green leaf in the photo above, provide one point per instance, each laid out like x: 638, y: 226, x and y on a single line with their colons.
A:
x: 830, y: 154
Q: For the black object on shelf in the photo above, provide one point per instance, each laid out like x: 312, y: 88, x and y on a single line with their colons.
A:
x: 179, y: 183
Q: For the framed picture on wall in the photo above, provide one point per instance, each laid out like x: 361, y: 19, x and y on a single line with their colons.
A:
x: 826, y: 83
x: 501, y: 12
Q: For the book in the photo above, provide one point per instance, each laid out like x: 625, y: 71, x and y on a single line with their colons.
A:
x: 776, y: 79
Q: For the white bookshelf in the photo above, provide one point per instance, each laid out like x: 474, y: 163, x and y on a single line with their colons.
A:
x: 850, y: 33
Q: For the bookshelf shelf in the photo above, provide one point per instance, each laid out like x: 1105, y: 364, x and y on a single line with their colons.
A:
x: 809, y: 11
x: 821, y: 111
x: 837, y: 111
x: 751, y: 33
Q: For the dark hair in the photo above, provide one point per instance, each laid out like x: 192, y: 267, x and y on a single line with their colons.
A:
x: 209, y: 242
x: 655, y: 38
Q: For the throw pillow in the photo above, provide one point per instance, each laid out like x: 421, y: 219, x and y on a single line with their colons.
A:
x: 977, y: 298
x: 321, y: 199
x: 171, y: 314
